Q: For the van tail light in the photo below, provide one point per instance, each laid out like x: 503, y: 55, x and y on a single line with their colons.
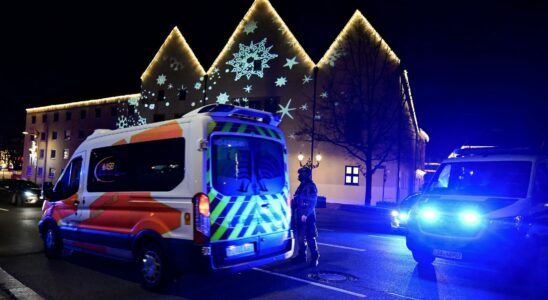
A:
x: 201, y: 218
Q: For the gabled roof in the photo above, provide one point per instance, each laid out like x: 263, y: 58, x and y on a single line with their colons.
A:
x: 175, y: 36
x: 407, y: 88
x: 357, y: 21
x: 257, y: 5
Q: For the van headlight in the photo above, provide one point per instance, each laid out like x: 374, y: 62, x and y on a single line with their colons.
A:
x: 429, y: 214
x: 470, y: 218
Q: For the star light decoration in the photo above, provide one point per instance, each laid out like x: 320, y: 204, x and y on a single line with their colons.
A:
x: 281, y: 81
x: 248, y: 88
x: 161, y: 79
x: 290, y: 62
x: 304, y: 107
x: 244, y: 61
x: 222, y: 98
x: 286, y: 110
x: 323, y: 95
x: 307, y: 79
x: 250, y: 27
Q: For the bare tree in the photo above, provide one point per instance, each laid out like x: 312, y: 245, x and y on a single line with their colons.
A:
x: 361, y: 107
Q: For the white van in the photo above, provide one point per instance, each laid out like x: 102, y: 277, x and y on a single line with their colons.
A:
x: 485, y: 204
x: 211, y: 187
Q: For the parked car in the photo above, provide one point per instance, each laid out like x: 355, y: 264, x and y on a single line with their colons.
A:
x: 400, y: 214
x: 20, y: 192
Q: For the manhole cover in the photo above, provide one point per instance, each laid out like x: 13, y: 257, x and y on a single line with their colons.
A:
x: 330, y: 276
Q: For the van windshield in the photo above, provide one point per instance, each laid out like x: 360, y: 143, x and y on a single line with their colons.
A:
x: 247, y: 166
x: 485, y: 178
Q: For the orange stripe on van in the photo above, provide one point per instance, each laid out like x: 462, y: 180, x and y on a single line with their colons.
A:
x: 166, y: 131
x: 120, y: 142
x: 131, y: 213
x: 64, y: 208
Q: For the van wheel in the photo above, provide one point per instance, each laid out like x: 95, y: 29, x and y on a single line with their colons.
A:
x: 53, y: 244
x: 423, y: 257
x: 152, y: 266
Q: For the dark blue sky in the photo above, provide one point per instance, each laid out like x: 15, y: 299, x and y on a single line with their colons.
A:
x: 478, y: 71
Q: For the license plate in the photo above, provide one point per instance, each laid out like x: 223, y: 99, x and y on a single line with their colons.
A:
x: 240, y: 250
x: 447, y: 254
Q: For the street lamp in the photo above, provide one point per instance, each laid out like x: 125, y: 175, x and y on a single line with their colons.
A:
x: 309, y: 163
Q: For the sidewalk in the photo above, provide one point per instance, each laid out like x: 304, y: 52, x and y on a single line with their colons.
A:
x: 354, y: 217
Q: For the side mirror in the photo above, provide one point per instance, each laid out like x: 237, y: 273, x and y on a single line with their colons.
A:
x: 50, y: 195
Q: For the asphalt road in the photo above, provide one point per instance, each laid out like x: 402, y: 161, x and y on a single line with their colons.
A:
x: 354, y: 263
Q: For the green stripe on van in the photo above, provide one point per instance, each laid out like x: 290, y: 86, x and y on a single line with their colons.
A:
x: 242, y: 128
x: 211, y: 127
x: 227, y: 126
x: 219, y: 208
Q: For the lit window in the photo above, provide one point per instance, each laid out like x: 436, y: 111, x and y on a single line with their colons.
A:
x: 66, y: 154
x: 51, y: 173
x: 67, y: 135
x: 351, y: 175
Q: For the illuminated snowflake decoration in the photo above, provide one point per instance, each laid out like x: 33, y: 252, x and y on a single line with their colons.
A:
x: 337, y: 53
x: 281, y: 81
x: 323, y: 95
x: 151, y: 106
x: 286, y: 110
x: 170, y: 86
x: 248, y: 88
x: 307, y: 79
x: 250, y: 27
x: 293, y: 136
x: 290, y: 62
x: 141, y: 121
x: 134, y: 101
x: 222, y: 98
x: 304, y: 107
x: 161, y: 80
x: 251, y: 60
x: 197, y: 86
x: 122, y: 122
x: 245, y: 99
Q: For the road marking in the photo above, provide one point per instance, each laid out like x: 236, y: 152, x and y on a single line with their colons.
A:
x: 15, y: 288
x: 3, y: 209
x: 311, y: 283
x: 385, y: 237
x: 323, y: 229
x: 401, y: 296
x: 342, y: 247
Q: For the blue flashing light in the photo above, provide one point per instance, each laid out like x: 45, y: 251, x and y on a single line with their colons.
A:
x: 429, y: 214
x: 394, y: 213
x: 403, y: 216
x: 470, y: 218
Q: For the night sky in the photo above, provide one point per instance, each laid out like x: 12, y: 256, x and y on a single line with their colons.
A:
x: 478, y: 71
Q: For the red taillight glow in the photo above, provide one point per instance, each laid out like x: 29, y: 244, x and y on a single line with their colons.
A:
x: 203, y: 205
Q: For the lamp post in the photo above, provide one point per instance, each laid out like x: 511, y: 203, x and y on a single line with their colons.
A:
x: 34, y: 150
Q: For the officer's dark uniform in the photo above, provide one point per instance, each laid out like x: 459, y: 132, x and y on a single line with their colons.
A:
x: 304, y: 204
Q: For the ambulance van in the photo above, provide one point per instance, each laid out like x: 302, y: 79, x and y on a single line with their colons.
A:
x: 211, y: 187
x: 487, y: 205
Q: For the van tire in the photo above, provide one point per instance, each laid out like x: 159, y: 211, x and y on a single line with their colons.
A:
x: 53, y: 245
x: 152, y: 266
x: 422, y: 257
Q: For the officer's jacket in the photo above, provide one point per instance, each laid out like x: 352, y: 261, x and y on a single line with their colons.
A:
x: 305, y: 199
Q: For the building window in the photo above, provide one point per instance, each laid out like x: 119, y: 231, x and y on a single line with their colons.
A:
x: 44, y: 118
x: 51, y: 173
x: 113, y: 111
x: 351, y: 175
x: 66, y: 153
x: 255, y: 104
x: 67, y: 135
x: 54, y: 135
x: 56, y: 117
x: 158, y: 117
x: 68, y: 116
x: 29, y: 171
x: 81, y: 134
x: 97, y: 112
x: 82, y: 114
x: 42, y: 153
x: 182, y: 94
x: 40, y: 171
x: 42, y: 136
x: 161, y: 95
x: 53, y: 154
x: 33, y: 119
x: 271, y: 104
x: 131, y: 110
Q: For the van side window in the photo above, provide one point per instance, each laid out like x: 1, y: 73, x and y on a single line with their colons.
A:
x: 70, y: 181
x: 540, y: 193
x: 146, y: 166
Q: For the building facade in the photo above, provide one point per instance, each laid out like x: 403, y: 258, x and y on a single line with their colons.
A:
x: 263, y: 66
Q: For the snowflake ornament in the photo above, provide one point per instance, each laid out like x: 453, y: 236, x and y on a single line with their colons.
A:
x: 307, y: 79
x: 170, y: 86
x: 286, y: 110
x: 323, y: 95
x: 248, y: 88
x: 290, y: 62
x: 161, y: 79
x: 134, y: 101
x: 122, y: 122
x: 251, y: 60
x: 250, y: 27
x: 304, y: 107
x: 222, y: 98
x: 175, y: 64
x: 281, y: 81
x: 197, y: 86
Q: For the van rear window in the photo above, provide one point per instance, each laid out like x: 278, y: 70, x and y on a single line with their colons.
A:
x: 147, y: 166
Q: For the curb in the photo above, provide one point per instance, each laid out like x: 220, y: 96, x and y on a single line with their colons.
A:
x: 15, y: 289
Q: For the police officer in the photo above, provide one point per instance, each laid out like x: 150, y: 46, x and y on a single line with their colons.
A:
x: 304, y: 217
